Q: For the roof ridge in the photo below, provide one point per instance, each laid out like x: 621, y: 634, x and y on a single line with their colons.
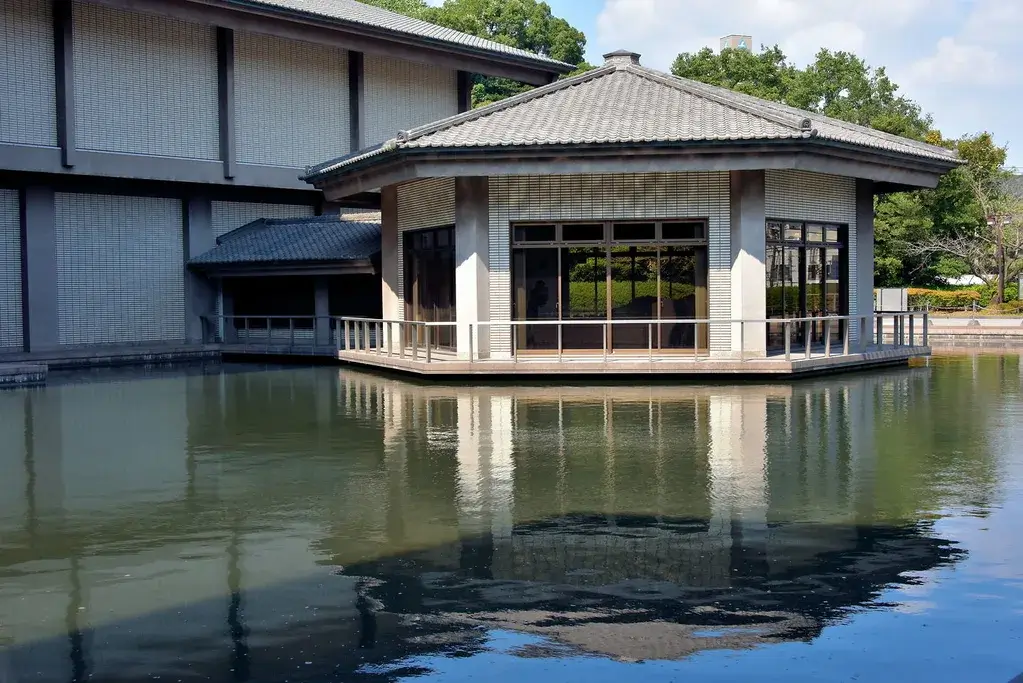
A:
x: 721, y: 96
x: 240, y: 231
x: 501, y: 105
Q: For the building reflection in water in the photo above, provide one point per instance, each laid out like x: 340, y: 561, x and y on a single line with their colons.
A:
x: 350, y: 521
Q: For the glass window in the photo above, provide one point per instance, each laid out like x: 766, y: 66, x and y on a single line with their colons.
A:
x: 831, y: 233
x: 814, y: 232
x: 774, y: 231
x: 628, y: 232
x: 633, y: 293
x: 682, y: 231
x: 582, y: 232
x: 793, y: 232
x: 534, y: 233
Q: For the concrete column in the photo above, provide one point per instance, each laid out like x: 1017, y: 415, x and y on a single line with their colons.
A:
x: 389, y: 265
x: 749, y: 255
x: 322, y: 311
x: 862, y: 280
x: 200, y: 292
x: 225, y: 99
x: 356, y: 100
x: 472, y: 263
x: 40, y: 317
x: 64, y: 80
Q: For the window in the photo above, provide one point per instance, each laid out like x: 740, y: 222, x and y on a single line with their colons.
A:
x: 429, y: 287
x: 616, y: 270
x: 807, y: 276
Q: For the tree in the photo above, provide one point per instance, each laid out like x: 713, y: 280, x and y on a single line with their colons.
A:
x: 525, y: 24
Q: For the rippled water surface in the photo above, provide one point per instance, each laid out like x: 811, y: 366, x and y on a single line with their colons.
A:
x: 242, y: 523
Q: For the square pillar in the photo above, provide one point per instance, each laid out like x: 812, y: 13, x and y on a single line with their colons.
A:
x: 40, y: 314
x: 861, y: 280
x: 391, y: 304
x: 749, y: 256
x: 321, y: 309
x: 200, y: 292
x: 472, y: 264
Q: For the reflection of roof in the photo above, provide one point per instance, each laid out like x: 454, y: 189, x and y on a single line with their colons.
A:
x: 372, y: 17
x: 319, y: 239
x: 625, y: 103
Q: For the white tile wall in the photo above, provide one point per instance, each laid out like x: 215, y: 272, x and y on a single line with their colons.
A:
x: 120, y: 273
x: 808, y: 196
x: 422, y: 204
x: 27, y: 98
x: 10, y: 271
x: 291, y: 101
x: 402, y: 95
x: 144, y: 84
x: 230, y: 215
x: 611, y: 197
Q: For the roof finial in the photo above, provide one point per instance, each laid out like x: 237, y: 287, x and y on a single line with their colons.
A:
x: 621, y: 58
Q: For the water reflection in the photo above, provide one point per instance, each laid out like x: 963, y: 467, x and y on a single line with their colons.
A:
x: 304, y: 524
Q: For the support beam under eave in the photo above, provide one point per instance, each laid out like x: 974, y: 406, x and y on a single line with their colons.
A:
x: 64, y: 70
x: 356, y: 99
x: 225, y: 99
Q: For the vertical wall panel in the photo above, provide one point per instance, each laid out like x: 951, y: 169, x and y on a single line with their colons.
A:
x: 611, y: 197
x: 291, y: 100
x: 230, y: 215
x: 27, y: 99
x: 402, y: 95
x: 10, y: 271
x: 807, y: 196
x: 144, y: 84
x: 120, y: 277
x: 422, y: 204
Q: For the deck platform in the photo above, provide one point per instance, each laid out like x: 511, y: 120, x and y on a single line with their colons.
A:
x: 447, y: 365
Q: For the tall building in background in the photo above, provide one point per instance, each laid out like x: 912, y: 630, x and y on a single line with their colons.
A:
x: 737, y: 42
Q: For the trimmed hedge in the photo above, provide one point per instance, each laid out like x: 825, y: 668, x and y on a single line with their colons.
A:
x: 942, y: 298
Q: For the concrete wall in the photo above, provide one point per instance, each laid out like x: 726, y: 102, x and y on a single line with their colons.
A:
x: 230, y: 215
x: 119, y: 269
x: 291, y: 100
x: 401, y: 95
x: 10, y: 270
x: 144, y: 84
x: 611, y: 197
x: 27, y: 95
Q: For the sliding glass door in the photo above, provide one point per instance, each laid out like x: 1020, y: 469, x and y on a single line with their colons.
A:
x: 429, y: 281
x: 581, y: 274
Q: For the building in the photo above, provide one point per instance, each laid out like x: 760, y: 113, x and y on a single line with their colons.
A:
x: 737, y: 42
x: 134, y: 134
x: 626, y: 212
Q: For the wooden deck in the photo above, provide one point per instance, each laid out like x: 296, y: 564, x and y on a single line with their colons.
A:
x: 446, y: 364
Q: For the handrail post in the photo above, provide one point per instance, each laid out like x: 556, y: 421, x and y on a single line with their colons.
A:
x: 269, y: 332
x: 415, y: 342
x: 347, y: 336
x: 291, y: 332
x: 845, y: 337
x: 827, y: 337
x: 650, y: 341
x: 696, y: 342
x: 788, y: 341
x: 513, y: 329
x: 927, y: 316
x: 742, y: 341
x: 390, y: 338
x: 807, y: 350
x: 427, y: 341
x: 471, y: 345
x: 561, y: 343
x: 912, y: 322
x: 879, y: 324
x: 366, y: 331
x: 603, y: 327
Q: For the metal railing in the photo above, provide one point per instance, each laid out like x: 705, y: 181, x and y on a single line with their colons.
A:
x: 439, y: 341
x: 299, y: 334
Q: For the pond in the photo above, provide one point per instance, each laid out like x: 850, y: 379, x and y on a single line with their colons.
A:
x: 251, y: 523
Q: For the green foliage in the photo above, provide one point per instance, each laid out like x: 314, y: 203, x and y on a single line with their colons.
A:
x: 943, y: 298
x: 581, y: 295
x: 525, y: 24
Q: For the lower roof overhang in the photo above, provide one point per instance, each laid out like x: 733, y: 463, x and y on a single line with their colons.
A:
x: 283, y: 269
x: 890, y: 171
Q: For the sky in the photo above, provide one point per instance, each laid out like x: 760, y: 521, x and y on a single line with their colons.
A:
x: 953, y: 57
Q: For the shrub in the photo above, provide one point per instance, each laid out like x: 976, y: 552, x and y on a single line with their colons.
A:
x: 942, y: 298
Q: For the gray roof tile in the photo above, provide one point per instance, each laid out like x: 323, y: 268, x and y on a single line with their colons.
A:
x: 320, y: 239
x: 380, y: 18
x: 624, y: 103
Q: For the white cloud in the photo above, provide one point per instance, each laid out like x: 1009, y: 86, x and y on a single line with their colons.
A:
x: 957, y: 63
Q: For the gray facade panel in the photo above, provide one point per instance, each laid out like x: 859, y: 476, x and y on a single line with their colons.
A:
x: 291, y: 101
x: 400, y: 95
x: 230, y: 215
x: 165, y: 104
x: 10, y: 271
x: 27, y: 94
x: 120, y: 278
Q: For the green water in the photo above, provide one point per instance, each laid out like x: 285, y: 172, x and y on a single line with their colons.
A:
x: 245, y: 523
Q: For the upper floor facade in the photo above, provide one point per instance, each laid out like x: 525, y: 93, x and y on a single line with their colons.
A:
x: 224, y: 92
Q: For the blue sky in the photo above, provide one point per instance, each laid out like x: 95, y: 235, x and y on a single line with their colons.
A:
x: 956, y: 58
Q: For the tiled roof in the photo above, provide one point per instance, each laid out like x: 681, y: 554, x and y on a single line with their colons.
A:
x: 320, y: 239
x: 379, y: 18
x: 625, y: 103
